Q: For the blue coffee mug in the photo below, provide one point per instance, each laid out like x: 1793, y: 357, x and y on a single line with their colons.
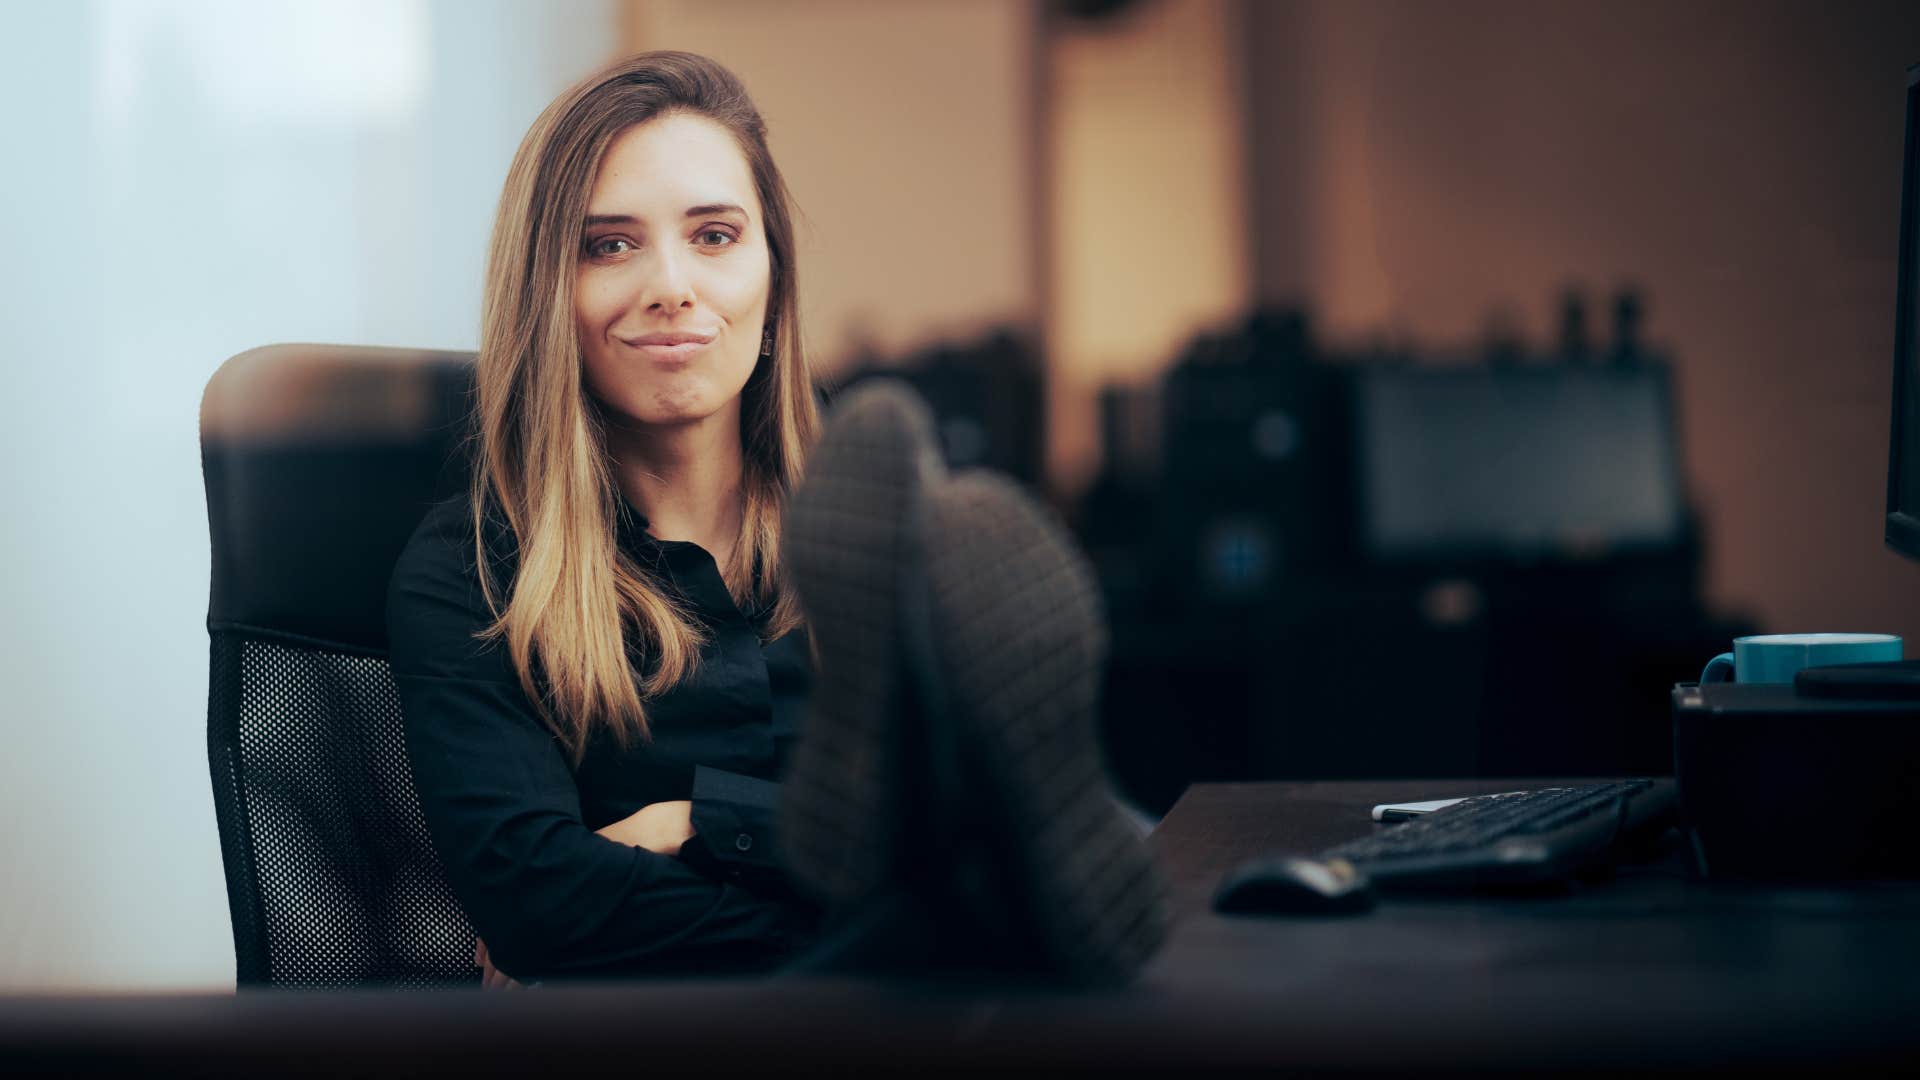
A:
x: 1777, y: 658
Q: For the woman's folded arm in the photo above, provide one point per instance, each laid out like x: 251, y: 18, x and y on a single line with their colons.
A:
x: 549, y: 896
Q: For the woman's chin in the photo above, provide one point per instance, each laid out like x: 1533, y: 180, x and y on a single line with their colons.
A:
x: 691, y: 398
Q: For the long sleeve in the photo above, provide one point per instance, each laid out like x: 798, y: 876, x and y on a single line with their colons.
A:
x: 549, y: 896
x: 733, y: 822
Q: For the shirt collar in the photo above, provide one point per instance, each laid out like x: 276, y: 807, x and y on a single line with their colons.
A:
x: 631, y: 524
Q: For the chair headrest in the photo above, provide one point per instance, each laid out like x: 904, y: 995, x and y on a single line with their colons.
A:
x: 319, y: 462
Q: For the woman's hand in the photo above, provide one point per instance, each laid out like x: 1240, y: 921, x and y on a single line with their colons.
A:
x: 659, y: 827
x: 492, y: 978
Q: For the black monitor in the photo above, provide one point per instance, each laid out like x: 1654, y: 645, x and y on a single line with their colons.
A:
x: 1517, y: 464
x: 1903, y: 457
x: 1899, y: 679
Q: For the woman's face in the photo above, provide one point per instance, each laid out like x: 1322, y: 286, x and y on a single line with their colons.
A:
x: 670, y: 295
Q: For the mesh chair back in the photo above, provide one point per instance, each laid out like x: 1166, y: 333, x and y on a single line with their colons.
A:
x: 319, y: 462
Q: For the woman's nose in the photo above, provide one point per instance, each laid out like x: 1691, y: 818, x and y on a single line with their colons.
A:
x: 665, y: 284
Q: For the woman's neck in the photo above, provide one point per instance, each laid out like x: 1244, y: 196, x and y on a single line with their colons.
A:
x: 686, y: 479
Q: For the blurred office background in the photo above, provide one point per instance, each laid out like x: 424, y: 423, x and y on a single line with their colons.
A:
x: 1432, y: 384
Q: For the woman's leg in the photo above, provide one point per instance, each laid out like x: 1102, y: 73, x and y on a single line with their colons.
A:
x: 949, y: 795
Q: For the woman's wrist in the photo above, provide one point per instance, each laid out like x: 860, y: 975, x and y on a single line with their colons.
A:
x: 658, y: 827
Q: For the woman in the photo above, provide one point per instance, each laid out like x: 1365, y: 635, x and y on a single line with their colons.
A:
x: 600, y: 669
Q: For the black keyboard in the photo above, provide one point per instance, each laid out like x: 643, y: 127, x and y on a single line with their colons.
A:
x: 1518, y: 838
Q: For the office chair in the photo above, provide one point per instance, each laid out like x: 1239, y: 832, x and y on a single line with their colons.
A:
x: 319, y: 462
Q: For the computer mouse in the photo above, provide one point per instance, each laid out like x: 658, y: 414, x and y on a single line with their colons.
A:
x: 1292, y: 885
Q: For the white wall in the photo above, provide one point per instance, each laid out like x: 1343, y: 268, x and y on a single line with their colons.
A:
x: 184, y: 181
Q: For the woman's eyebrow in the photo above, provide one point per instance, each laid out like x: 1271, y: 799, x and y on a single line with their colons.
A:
x: 716, y: 208
x: 692, y: 211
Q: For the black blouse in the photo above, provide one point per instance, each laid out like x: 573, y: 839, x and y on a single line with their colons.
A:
x: 513, y: 821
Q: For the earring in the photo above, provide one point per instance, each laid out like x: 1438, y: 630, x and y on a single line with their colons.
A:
x: 766, y: 343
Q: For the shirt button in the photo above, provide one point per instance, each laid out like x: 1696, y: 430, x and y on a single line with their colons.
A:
x: 743, y: 842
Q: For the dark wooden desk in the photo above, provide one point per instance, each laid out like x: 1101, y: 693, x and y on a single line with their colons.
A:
x: 1651, y: 968
x: 1650, y: 965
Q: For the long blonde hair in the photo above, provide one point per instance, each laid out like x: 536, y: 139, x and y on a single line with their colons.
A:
x: 579, y: 610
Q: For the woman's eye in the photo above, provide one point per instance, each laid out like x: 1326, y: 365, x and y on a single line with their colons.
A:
x: 608, y: 245
x: 707, y: 238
